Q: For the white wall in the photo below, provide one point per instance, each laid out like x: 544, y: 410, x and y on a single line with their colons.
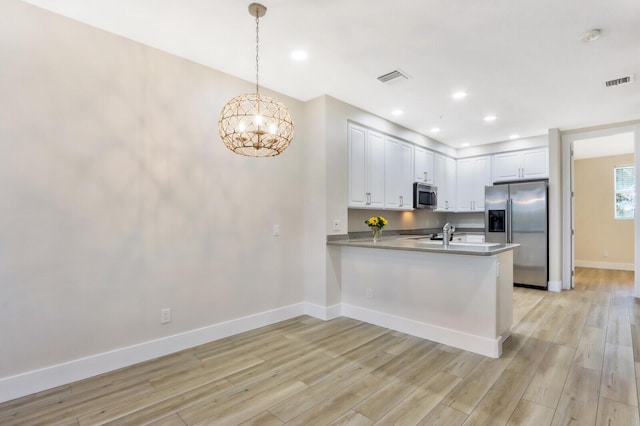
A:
x: 119, y: 199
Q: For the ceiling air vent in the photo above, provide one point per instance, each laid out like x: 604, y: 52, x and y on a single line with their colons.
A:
x: 619, y: 81
x: 393, y: 75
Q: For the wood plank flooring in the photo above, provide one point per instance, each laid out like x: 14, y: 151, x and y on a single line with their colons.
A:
x: 573, y: 358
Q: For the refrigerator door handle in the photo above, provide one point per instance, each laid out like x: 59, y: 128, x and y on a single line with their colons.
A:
x: 509, y: 219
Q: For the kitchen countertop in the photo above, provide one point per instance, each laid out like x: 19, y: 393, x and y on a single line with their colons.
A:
x: 410, y: 243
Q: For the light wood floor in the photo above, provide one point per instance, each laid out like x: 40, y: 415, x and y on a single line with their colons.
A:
x: 573, y: 358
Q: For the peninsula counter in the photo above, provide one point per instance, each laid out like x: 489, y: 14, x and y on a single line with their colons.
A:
x: 459, y: 296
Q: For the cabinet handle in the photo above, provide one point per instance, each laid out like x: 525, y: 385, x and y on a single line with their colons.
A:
x: 426, y: 176
x: 401, y: 201
x: 446, y: 204
x: 368, y: 202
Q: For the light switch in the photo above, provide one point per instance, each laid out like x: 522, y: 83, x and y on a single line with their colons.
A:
x: 276, y: 230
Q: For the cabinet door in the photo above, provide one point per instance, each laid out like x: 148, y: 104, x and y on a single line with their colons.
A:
x: 406, y: 176
x: 357, y: 167
x: 482, y: 178
x: 450, y: 187
x: 507, y: 166
x: 375, y: 169
x: 444, y: 172
x: 519, y: 165
x: 465, y: 185
x: 423, y: 166
x: 473, y: 175
x: 535, y: 163
x: 439, y: 179
x: 398, y: 174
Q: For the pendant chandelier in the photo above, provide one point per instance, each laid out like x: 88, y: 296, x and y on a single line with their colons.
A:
x: 252, y: 124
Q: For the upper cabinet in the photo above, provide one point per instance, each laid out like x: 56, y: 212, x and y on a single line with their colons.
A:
x: 473, y: 174
x: 398, y: 172
x: 382, y: 170
x: 424, y: 165
x: 444, y: 169
x: 366, y: 168
x: 520, y: 165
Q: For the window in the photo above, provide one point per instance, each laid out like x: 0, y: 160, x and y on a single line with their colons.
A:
x: 625, y: 192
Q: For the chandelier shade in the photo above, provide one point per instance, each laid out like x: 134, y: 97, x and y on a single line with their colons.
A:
x: 252, y: 124
x: 255, y: 125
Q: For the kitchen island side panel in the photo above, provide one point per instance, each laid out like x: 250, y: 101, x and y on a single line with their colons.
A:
x: 451, y: 299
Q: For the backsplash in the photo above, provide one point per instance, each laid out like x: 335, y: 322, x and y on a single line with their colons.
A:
x: 417, y: 219
x: 398, y: 220
x: 466, y: 220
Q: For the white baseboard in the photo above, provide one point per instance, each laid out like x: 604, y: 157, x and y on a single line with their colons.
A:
x: 469, y: 342
x: 323, y: 313
x: 604, y: 265
x: 555, y: 286
x: 57, y: 375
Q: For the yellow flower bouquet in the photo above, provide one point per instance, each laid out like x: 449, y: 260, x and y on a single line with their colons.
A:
x: 376, y: 223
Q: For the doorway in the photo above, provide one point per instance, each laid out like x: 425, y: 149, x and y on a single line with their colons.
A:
x: 595, y: 144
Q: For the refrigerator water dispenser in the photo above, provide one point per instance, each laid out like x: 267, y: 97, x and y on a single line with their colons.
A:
x: 496, y: 221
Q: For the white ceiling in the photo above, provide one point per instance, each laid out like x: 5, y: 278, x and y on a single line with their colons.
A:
x: 520, y: 60
x: 621, y: 143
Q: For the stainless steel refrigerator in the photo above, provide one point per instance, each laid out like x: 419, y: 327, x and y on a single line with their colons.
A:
x: 517, y: 213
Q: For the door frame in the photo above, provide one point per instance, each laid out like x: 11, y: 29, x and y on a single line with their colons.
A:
x: 567, y: 140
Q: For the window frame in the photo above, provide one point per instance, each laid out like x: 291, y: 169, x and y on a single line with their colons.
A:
x: 624, y: 192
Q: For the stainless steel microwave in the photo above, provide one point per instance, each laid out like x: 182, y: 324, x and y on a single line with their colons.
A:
x: 425, y: 196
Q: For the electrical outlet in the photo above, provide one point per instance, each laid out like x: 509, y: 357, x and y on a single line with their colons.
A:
x: 605, y: 253
x: 369, y: 292
x: 336, y: 225
x: 276, y: 230
x: 165, y: 316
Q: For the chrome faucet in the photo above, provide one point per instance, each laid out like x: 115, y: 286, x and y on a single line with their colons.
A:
x: 447, y: 231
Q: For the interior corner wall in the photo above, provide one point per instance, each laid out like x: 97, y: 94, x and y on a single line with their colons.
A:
x: 315, y: 183
x: 557, y: 253
x: 119, y: 198
x: 601, y: 241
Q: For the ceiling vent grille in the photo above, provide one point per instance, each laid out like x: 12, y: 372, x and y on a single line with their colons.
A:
x: 393, y: 75
x: 619, y: 81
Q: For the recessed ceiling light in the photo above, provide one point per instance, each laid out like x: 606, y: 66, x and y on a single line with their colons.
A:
x: 459, y: 95
x: 514, y: 136
x: 590, y: 35
x: 490, y: 118
x: 435, y: 130
x: 299, y: 55
x: 397, y: 112
x: 466, y: 144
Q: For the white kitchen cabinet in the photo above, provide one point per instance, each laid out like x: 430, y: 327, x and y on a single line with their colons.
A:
x: 520, y: 165
x: 398, y: 163
x: 366, y: 168
x: 424, y: 165
x: 473, y: 174
x: 444, y: 171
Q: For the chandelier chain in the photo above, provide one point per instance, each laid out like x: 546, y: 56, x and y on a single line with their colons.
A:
x: 257, y: 53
